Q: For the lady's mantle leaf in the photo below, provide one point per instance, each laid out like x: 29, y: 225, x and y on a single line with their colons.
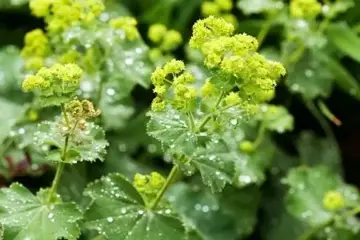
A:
x: 172, y: 130
x: 228, y: 215
x: 84, y: 145
x: 118, y: 212
x: 216, y: 165
x: 25, y: 216
x: 276, y: 118
x: 307, y: 190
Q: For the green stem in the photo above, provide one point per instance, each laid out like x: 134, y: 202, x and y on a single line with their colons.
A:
x: 55, y: 183
x: 327, y: 113
x: 61, y: 164
x: 65, y: 115
x: 260, y: 136
x: 264, y: 32
x: 207, y: 118
x: 163, y: 189
x: 322, y: 121
x: 191, y: 121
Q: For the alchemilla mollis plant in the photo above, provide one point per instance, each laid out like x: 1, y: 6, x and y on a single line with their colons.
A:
x: 165, y: 120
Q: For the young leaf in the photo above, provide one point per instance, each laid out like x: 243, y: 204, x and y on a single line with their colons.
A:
x: 85, y: 145
x: 250, y: 168
x: 308, y: 187
x: 172, y: 130
x: 25, y: 216
x: 276, y: 118
x: 118, y: 211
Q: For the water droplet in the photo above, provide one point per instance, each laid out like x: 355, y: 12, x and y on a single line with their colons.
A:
x: 110, y: 91
x: 122, y: 147
x: 197, y: 207
x: 167, y: 211
x: 233, y: 121
x: 141, y: 212
x: 110, y: 219
x: 205, y: 208
x: 21, y: 130
x: 244, y: 179
x: 129, y: 61
x: 309, y: 73
x: 50, y: 215
x: 152, y: 148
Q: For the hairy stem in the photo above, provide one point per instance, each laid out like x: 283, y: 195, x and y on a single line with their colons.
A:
x: 61, y: 164
x: 167, y: 183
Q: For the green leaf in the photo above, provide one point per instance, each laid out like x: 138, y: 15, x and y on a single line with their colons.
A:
x: 307, y: 190
x: 84, y: 145
x: 250, y: 168
x: 9, y: 4
x: 11, y: 113
x: 258, y: 6
x: 25, y: 216
x: 345, y: 39
x: 311, y: 76
x: 316, y: 151
x: 277, y: 222
x: 172, y: 130
x: 276, y: 118
x: 216, y: 164
x: 115, y: 112
x: 229, y: 215
x: 118, y: 211
x: 128, y: 61
x: 10, y: 73
x: 344, y: 79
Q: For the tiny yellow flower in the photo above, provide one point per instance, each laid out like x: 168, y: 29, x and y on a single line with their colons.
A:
x: 333, y: 201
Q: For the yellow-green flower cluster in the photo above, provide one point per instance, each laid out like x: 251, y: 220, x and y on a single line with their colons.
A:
x: 58, y: 80
x: 304, y: 8
x: 165, y: 40
x: 82, y: 109
x: 333, y: 201
x: 173, y: 75
x: 168, y: 40
x: 126, y: 24
x: 70, y: 56
x: 236, y: 55
x: 61, y: 14
x: 148, y: 185
x: 219, y: 8
x: 35, y: 50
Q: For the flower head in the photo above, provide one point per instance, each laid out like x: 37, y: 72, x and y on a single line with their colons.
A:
x: 304, y: 8
x: 128, y: 25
